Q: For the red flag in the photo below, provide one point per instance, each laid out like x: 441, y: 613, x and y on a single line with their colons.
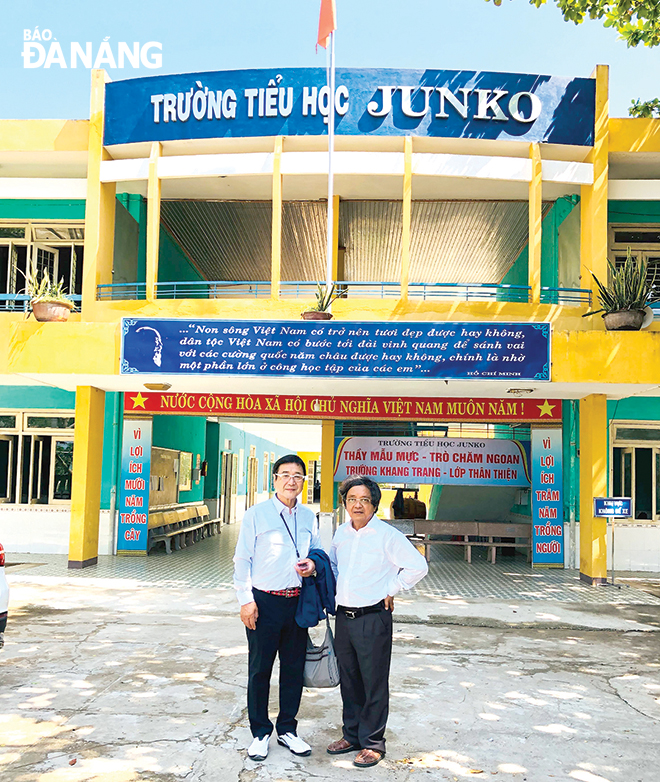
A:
x: 327, y: 22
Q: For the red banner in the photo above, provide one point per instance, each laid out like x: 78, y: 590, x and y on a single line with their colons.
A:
x: 358, y: 407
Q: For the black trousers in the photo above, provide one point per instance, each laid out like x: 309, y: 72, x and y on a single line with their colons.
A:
x: 276, y: 632
x: 364, y: 651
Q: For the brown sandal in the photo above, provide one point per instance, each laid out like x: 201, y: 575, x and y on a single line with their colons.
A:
x: 368, y: 757
x: 341, y: 746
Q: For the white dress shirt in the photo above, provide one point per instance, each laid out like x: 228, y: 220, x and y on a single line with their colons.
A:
x: 373, y: 562
x: 265, y: 555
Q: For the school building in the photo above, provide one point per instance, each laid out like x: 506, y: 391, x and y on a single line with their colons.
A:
x: 187, y: 220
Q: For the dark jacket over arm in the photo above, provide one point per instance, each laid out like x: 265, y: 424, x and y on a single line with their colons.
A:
x: 318, y: 592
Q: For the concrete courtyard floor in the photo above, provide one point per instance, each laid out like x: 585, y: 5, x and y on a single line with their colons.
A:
x: 111, y: 681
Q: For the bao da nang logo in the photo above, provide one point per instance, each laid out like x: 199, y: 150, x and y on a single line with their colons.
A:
x: 42, y: 50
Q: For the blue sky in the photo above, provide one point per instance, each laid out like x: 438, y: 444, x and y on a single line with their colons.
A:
x: 200, y: 35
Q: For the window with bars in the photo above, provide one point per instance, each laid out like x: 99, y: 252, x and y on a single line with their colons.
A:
x: 56, y: 248
x: 36, y: 467
x: 644, y: 243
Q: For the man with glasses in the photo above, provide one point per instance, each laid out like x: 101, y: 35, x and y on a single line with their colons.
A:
x: 269, y: 564
x: 373, y: 561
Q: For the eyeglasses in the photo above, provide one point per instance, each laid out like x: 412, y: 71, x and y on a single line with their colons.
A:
x: 358, y: 501
x: 286, y: 477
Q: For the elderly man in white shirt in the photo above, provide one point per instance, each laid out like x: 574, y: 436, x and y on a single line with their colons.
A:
x: 372, y: 561
x: 269, y: 564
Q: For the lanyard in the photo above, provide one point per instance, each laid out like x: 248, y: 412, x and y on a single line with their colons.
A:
x: 293, y: 540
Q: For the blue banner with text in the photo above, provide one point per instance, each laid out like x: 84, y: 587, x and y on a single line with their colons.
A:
x: 368, y: 102
x: 547, y: 503
x: 133, y: 506
x: 466, y: 351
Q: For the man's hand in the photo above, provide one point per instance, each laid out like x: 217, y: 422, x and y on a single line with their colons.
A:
x: 389, y: 603
x: 305, y: 567
x: 249, y: 615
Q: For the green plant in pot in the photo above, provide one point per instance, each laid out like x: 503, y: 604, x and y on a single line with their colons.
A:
x: 623, y: 300
x: 320, y: 309
x: 48, y: 300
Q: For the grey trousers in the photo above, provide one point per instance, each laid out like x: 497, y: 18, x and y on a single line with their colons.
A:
x: 364, y: 650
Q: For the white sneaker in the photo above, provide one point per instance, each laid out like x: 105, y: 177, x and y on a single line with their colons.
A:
x: 295, y: 744
x: 258, y: 750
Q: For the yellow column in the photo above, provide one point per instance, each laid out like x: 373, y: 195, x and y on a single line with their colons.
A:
x: 153, y: 221
x: 86, y: 483
x: 327, y: 465
x: 593, y: 483
x: 593, y: 198
x: 276, y: 234
x: 407, y: 215
x: 535, y: 227
x: 100, y: 205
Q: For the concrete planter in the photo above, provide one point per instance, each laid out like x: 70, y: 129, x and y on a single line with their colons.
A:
x: 315, y: 315
x: 51, y: 311
x: 624, y: 320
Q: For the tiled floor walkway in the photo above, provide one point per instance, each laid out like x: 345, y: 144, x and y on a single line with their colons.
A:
x: 209, y: 564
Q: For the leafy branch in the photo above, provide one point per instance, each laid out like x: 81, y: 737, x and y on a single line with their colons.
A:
x: 636, y: 21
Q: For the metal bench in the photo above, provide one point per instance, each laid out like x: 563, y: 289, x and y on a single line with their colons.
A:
x: 180, y: 527
x: 473, y: 533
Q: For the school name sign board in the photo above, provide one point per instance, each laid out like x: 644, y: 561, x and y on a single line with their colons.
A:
x: 416, y: 408
x: 438, y: 460
x: 380, y: 102
x: 518, y: 351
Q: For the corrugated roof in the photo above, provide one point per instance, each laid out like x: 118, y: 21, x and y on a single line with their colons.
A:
x: 451, y: 241
x: 466, y: 241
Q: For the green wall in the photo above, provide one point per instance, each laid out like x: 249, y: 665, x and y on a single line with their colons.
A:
x: 36, y: 397
x: 42, y: 209
x: 634, y: 409
x: 125, y: 261
x: 518, y: 274
x: 131, y: 247
x: 112, y: 427
x: 183, y: 433
x: 633, y: 211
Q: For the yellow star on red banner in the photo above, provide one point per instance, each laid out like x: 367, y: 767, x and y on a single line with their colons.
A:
x: 138, y: 401
x: 546, y: 408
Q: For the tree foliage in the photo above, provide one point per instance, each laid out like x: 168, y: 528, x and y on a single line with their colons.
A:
x: 636, y: 21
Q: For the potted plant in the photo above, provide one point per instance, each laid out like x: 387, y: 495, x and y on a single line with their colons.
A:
x: 319, y: 310
x: 624, y: 299
x: 48, y: 300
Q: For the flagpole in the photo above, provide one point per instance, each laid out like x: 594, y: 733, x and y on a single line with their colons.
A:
x: 331, y: 146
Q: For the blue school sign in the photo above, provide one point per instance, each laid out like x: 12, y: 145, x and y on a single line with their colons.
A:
x: 466, y: 351
x: 378, y: 102
x: 613, y: 507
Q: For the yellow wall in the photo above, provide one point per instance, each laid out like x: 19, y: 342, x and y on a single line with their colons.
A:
x: 94, y: 348
x: 44, y: 135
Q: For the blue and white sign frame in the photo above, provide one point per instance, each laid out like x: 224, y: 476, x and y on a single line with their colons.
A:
x: 547, y: 500
x: 368, y: 102
x: 613, y: 507
x: 346, y: 349
x: 133, y: 510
